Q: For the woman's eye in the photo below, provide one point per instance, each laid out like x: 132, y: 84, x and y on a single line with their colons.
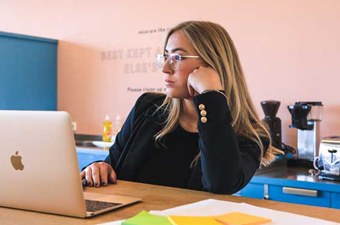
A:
x: 177, y: 57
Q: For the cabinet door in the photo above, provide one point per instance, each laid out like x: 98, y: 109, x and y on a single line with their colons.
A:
x: 253, y: 190
x: 300, y: 196
x: 335, y: 203
x: 28, y: 72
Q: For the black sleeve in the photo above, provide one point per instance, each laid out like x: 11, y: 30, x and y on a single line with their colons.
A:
x: 228, y: 162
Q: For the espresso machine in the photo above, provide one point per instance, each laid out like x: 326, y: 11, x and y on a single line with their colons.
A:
x: 306, y: 118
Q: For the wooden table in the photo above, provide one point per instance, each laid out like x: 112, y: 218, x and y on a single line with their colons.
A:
x: 156, y: 198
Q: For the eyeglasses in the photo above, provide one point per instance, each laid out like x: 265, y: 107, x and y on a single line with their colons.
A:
x: 174, y: 60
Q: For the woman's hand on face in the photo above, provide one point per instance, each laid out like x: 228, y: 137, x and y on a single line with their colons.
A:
x: 203, y: 78
x: 99, y: 174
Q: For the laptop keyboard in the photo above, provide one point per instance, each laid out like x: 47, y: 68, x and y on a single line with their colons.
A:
x: 93, y: 206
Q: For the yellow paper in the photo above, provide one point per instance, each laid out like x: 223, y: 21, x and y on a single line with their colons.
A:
x: 237, y: 218
x: 193, y: 220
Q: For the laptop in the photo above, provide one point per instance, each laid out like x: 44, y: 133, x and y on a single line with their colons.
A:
x: 39, y: 167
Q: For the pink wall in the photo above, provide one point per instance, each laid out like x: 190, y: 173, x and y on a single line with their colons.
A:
x: 289, y: 49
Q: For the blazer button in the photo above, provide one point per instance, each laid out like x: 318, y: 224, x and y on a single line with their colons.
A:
x: 203, y: 113
x: 201, y: 106
x: 204, y: 119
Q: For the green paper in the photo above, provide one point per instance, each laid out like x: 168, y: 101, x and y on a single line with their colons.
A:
x: 145, y: 218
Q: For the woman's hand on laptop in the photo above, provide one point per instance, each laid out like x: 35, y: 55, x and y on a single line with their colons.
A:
x: 99, y: 174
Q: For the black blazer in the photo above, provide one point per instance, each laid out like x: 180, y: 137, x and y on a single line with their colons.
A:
x: 227, y: 162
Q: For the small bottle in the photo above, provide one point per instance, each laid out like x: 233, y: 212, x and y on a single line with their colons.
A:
x: 117, y: 126
x: 107, y: 129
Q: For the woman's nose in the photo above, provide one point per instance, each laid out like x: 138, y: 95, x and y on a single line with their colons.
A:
x: 167, y: 67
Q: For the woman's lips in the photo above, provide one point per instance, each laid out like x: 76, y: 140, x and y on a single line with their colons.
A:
x: 169, y: 83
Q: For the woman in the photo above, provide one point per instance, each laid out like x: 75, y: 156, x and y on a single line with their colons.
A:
x: 204, y: 134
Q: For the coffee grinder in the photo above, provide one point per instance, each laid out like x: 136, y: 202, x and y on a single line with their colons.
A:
x: 306, y: 117
x: 270, y: 108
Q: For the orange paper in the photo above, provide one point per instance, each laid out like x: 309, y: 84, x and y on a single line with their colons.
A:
x: 237, y: 218
x: 193, y: 220
x: 234, y: 218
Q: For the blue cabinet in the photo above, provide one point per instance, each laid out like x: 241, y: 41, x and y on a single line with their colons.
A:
x: 28, y: 72
x: 335, y: 200
x: 293, y: 186
x: 86, y: 156
x: 300, y: 195
x: 253, y: 190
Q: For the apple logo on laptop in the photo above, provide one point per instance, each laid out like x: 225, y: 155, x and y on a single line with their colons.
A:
x: 16, y: 161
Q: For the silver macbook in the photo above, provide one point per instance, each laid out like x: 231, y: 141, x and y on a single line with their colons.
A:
x: 39, y: 168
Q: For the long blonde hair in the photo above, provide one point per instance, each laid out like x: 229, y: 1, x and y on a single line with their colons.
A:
x: 217, y: 50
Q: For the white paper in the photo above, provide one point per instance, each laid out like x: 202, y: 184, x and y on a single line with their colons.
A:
x: 212, y: 207
x: 113, y: 223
